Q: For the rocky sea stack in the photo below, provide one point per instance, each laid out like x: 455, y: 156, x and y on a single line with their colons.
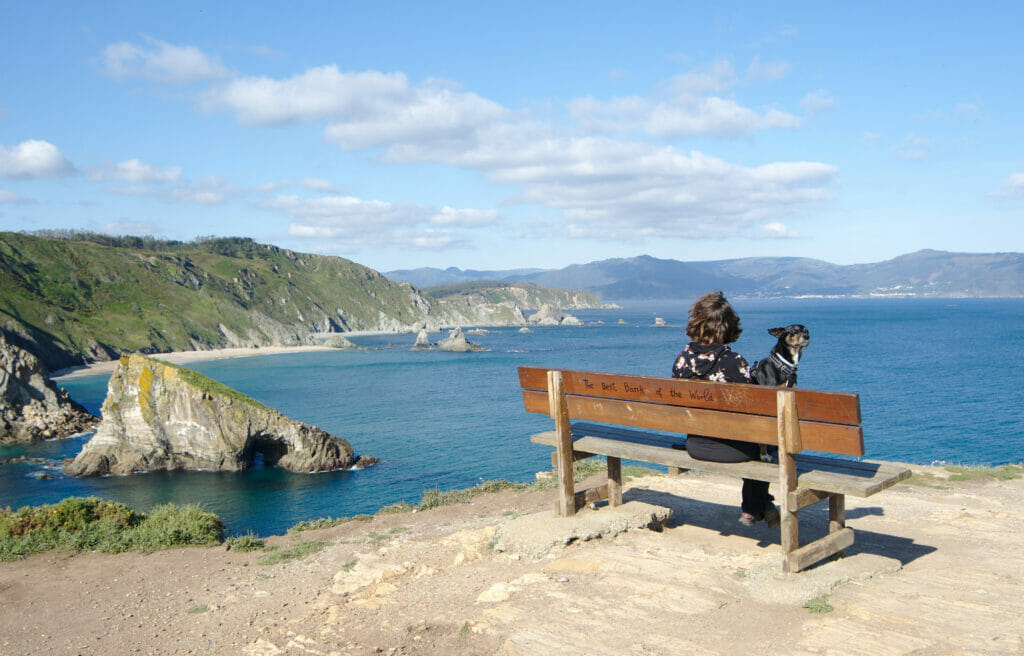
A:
x: 31, y: 406
x: 456, y: 341
x: 158, y: 416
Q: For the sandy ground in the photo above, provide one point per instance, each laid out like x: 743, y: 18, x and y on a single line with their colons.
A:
x: 934, y: 570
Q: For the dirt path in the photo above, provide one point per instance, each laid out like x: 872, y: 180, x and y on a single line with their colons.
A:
x: 933, y: 571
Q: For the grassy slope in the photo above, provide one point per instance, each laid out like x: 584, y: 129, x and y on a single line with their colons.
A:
x: 69, y: 292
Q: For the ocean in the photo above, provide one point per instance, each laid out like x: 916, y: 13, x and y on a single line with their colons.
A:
x: 940, y: 380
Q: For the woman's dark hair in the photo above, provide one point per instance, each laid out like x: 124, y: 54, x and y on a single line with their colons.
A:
x: 713, y: 321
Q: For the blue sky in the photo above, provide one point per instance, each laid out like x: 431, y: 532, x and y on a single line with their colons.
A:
x: 501, y: 135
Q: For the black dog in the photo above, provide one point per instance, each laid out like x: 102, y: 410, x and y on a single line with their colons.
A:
x: 779, y: 368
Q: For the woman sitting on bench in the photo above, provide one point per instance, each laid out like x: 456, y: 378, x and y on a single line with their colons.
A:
x: 712, y: 326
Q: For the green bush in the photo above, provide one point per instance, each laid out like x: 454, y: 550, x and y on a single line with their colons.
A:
x: 247, y: 542
x: 297, y: 552
x: 92, y: 524
x: 313, y: 524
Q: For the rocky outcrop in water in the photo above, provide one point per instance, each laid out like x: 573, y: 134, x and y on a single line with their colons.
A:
x: 422, y: 341
x: 31, y: 406
x: 158, y: 416
x: 549, y: 315
x: 457, y: 342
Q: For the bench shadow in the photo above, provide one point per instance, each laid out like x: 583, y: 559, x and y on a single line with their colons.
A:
x: 813, y: 524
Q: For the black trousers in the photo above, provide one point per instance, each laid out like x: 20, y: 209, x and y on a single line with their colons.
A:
x: 713, y: 449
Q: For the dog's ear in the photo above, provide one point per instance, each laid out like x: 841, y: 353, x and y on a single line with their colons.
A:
x: 776, y: 332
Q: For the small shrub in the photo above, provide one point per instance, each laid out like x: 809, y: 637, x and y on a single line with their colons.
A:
x: 80, y: 524
x: 436, y: 498
x: 498, y: 486
x: 313, y: 524
x: 967, y: 473
x: 395, y: 508
x: 348, y: 565
x: 296, y: 552
x: 247, y: 542
x: 196, y: 610
x: 819, y: 605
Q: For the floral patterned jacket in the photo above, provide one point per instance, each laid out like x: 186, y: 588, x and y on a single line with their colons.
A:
x: 715, y: 362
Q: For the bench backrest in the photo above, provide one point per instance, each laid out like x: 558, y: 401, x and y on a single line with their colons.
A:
x: 829, y: 421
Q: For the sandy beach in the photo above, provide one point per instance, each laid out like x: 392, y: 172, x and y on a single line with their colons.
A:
x: 936, y: 569
x: 180, y: 357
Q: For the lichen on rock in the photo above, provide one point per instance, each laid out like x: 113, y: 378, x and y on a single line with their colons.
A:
x: 158, y: 416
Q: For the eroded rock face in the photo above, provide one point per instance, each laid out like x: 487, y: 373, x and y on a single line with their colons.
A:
x: 31, y: 406
x: 549, y: 315
x: 456, y: 341
x: 161, y: 417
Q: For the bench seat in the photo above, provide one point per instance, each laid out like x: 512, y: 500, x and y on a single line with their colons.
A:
x: 833, y: 475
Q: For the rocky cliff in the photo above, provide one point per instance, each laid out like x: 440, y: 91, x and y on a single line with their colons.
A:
x: 87, y: 298
x: 158, y: 416
x: 31, y: 406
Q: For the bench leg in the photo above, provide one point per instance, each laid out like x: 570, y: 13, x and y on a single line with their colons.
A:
x: 837, y: 515
x: 614, y: 481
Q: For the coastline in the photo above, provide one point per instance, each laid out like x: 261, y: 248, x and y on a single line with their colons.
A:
x: 181, y: 357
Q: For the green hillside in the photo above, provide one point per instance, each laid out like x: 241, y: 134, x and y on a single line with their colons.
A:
x: 90, y: 297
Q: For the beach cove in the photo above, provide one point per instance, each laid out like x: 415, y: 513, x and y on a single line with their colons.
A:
x: 436, y: 420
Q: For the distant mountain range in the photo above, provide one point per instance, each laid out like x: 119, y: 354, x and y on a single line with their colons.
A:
x: 926, y: 273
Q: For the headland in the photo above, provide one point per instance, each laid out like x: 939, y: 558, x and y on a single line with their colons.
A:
x: 936, y: 568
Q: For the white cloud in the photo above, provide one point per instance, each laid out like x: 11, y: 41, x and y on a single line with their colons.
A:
x: 161, y: 62
x: 9, y: 198
x: 760, y: 71
x: 1013, y: 187
x: 33, y: 159
x: 362, y: 109
x: 785, y: 31
x: 211, y: 190
x: 776, y: 230
x: 449, y: 216
x: 911, y: 146
x: 318, y: 93
x: 601, y: 187
x: 132, y: 190
x: 133, y: 170
x: 130, y: 228
x: 969, y: 111
x: 714, y: 77
x: 352, y: 221
x: 318, y: 184
x: 683, y: 116
x: 612, y: 189
x: 871, y: 137
x: 817, y: 102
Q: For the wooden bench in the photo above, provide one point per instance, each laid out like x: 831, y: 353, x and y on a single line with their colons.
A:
x: 793, y: 419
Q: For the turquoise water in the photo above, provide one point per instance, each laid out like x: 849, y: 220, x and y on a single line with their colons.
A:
x: 940, y: 380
